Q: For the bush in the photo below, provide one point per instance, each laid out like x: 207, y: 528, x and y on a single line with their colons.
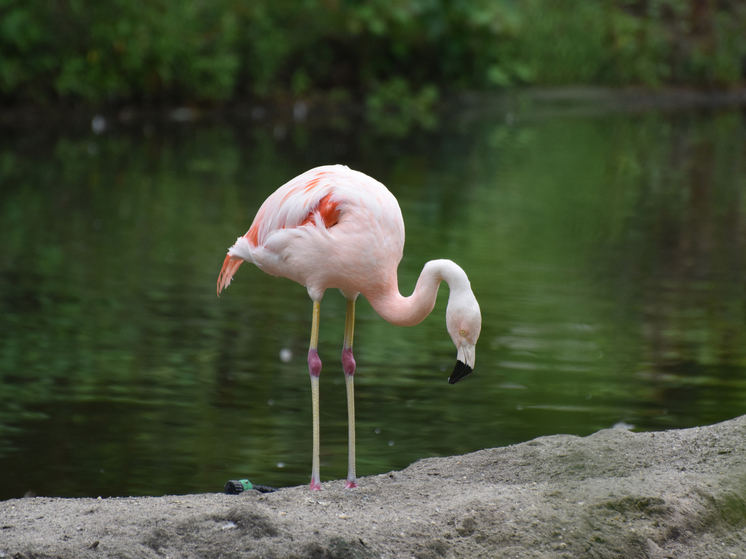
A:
x: 198, y: 50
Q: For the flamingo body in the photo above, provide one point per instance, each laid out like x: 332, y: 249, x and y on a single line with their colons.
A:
x: 332, y: 227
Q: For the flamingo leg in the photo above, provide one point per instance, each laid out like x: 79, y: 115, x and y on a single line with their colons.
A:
x: 348, y: 365
x: 314, y: 369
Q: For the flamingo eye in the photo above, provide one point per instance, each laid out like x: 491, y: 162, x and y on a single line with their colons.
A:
x: 463, y: 332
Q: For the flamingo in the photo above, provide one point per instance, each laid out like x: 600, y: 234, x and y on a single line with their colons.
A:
x: 332, y: 227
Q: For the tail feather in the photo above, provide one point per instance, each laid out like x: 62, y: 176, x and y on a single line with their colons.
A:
x: 230, y: 265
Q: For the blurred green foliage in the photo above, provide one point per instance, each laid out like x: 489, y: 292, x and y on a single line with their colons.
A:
x: 175, y: 50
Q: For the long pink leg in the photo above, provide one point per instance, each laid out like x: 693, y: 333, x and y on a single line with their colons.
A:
x: 314, y: 369
x: 348, y: 365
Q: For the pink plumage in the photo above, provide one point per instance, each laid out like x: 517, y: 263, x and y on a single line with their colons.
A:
x: 333, y: 227
x: 330, y: 227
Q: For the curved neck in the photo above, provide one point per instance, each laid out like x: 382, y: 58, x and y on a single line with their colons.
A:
x: 408, y: 311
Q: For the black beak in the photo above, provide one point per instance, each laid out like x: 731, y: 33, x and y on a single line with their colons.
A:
x: 461, y: 371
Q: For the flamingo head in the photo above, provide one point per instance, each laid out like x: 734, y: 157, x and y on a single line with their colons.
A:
x: 464, y: 322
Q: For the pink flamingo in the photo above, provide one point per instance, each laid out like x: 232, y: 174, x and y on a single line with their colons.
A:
x: 333, y: 227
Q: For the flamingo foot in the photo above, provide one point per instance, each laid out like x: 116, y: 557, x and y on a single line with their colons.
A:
x: 315, y: 485
x: 350, y: 484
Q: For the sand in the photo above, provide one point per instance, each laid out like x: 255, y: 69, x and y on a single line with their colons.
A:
x: 612, y: 494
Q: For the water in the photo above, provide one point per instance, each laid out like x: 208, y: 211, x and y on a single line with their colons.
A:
x: 606, y: 250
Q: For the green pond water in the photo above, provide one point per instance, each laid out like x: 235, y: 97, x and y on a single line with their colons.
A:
x: 606, y: 251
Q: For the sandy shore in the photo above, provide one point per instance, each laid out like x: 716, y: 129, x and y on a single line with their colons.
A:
x: 612, y: 494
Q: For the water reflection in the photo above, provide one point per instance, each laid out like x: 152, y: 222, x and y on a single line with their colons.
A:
x: 607, y: 254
